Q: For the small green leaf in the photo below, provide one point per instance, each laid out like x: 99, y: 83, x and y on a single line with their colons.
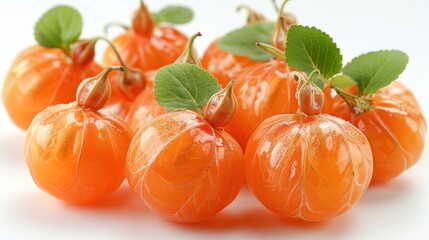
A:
x: 184, y: 86
x: 242, y: 41
x: 342, y: 81
x: 174, y: 15
x: 374, y: 70
x: 309, y: 49
x: 59, y: 28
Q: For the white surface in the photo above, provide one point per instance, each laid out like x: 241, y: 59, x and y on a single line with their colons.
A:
x: 396, y: 210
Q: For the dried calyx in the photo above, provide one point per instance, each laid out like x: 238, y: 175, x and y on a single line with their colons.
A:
x: 221, y: 107
x: 189, y: 55
x: 142, y: 22
x: 252, y: 15
x: 289, y: 18
x: 284, y: 21
x: 95, y: 92
x: 310, y: 96
x: 131, y: 81
x: 83, y: 51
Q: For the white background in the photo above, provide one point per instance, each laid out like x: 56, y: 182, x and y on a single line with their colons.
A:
x: 398, y: 209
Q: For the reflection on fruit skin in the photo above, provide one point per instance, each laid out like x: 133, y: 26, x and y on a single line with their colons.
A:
x: 77, y: 154
x: 308, y: 167
x: 42, y: 77
x: 182, y: 168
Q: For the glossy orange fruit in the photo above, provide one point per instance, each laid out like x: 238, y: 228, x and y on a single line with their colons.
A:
x: 395, y: 89
x: 40, y: 77
x: 77, y: 153
x: 399, y: 90
x: 396, y: 130
x: 183, y: 168
x: 262, y: 91
x: 145, y: 46
x: 308, y: 167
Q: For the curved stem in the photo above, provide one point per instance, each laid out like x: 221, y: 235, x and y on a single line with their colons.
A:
x: 114, y: 24
x: 271, y: 50
x: 347, y: 97
x: 312, y: 74
x: 282, y: 7
x: 114, y: 68
x: 345, y: 94
x: 303, y: 82
x: 245, y: 7
x: 115, y: 50
x: 188, y: 55
x: 190, y: 43
x: 276, y: 7
x: 252, y: 15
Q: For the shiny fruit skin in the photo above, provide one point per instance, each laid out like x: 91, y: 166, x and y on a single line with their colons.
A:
x: 146, y: 53
x: 119, y: 103
x: 308, y: 167
x: 41, y: 77
x: 77, y: 154
x: 262, y: 91
x: 143, y: 109
x: 396, y: 131
x: 223, y: 65
x: 395, y: 89
x: 399, y: 90
x: 182, y: 168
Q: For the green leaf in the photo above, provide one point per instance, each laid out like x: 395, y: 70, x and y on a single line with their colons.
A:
x: 184, y: 86
x: 242, y: 41
x: 174, y: 15
x: 319, y: 82
x: 59, y: 28
x: 342, y: 81
x: 374, y: 70
x: 309, y: 49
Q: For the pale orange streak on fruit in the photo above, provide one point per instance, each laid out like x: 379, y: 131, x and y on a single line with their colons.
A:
x: 396, y: 131
x: 262, y: 91
x: 41, y: 77
x: 308, y: 167
x: 182, y: 168
x: 77, y: 155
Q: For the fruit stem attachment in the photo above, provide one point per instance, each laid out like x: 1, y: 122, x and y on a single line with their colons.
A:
x: 114, y: 24
x: 279, y: 36
x: 271, y: 50
x: 142, y: 22
x: 356, y: 104
x: 132, y: 81
x: 94, y: 92
x: 189, y: 55
x: 252, y: 15
x: 281, y: 8
x: 310, y: 97
x: 221, y: 107
x: 276, y: 7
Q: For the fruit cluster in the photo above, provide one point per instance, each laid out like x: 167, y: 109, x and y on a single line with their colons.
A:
x: 307, y: 134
